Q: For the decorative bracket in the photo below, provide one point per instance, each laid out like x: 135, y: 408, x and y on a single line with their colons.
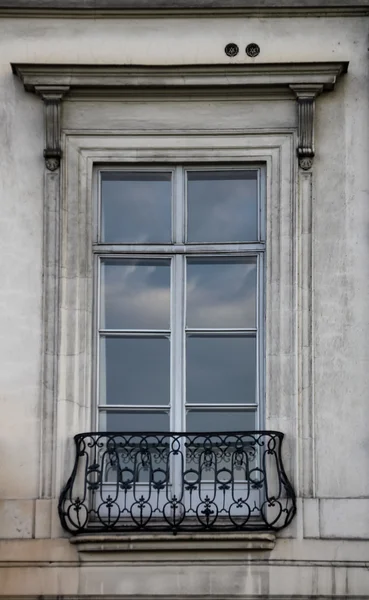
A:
x: 52, y: 98
x: 265, y: 80
x: 306, y: 95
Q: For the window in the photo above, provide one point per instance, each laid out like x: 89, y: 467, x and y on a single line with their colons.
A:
x: 178, y: 352
x: 180, y: 298
x: 237, y: 126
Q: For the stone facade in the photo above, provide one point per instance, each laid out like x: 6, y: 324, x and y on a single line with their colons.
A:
x: 317, y: 326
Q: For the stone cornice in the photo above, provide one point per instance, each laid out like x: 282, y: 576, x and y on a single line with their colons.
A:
x: 193, y: 5
x: 305, y: 81
x: 113, y: 77
x: 178, y: 8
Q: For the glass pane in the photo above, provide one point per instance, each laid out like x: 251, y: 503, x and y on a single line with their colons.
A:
x: 134, y: 370
x: 135, y: 207
x: 139, y: 421
x: 222, y: 206
x: 135, y: 294
x: 220, y: 420
x: 221, y: 292
x: 221, y: 369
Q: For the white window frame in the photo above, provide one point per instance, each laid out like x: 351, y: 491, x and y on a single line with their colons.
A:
x: 178, y: 250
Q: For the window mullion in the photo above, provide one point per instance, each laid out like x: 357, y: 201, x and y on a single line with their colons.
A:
x: 178, y: 296
x: 260, y: 384
x: 97, y: 341
x: 178, y: 207
x: 177, y: 370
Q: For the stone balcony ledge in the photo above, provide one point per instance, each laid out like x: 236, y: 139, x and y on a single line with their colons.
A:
x: 169, y: 547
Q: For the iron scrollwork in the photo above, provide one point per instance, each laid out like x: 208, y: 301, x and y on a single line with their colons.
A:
x: 177, y: 482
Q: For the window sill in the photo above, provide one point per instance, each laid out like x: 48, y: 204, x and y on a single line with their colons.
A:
x: 202, y: 546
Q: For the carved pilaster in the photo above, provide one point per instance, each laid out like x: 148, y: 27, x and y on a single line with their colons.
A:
x: 52, y: 97
x: 306, y: 95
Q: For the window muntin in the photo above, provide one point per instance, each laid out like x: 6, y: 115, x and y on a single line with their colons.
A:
x: 209, y: 352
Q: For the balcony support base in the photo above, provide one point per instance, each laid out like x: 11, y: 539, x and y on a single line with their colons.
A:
x: 155, y: 546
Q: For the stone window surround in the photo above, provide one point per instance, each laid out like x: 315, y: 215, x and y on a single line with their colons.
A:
x: 68, y: 291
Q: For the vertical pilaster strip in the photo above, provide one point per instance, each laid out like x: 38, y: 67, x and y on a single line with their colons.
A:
x: 305, y: 299
x: 306, y: 95
x: 51, y: 249
x: 52, y: 97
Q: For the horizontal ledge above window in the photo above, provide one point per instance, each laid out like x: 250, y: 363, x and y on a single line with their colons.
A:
x: 174, y: 547
x: 39, y: 78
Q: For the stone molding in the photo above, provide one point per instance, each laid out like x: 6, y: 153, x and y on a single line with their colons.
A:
x: 203, y: 545
x: 194, y: 4
x: 305, y: 95
x: 194, y: 8
x: 182, y: 597
x: 52, y: 97
x: 306, y: 80
x: 307, y: 463
x: 260, y: 75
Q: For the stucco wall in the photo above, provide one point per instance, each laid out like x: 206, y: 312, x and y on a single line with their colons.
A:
x: 340, y: 273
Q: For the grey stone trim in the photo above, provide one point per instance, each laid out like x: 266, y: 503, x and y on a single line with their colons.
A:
x: 111, y: 77
x: 96, y: 546
x: 179, y: 4
x: 52, y: 97
x: 306, y: 95
x: 50, y: 333
x: 306, y: 80
x: 189, y: 597
x: 305, y: 336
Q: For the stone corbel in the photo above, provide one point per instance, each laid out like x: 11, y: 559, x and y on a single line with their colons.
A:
x: 305, y: 95
x: 52, y: 97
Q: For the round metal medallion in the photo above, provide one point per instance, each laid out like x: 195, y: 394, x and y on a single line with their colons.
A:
x: 252, y: 50
x: 231, y: 49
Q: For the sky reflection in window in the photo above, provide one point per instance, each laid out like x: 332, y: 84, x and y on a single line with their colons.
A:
x: 135, y: 293
x: 221, y: 292
x: 222, y: 206
x: 136, y: 207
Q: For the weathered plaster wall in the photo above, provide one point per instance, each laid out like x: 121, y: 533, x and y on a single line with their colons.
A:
x: 340, y: 274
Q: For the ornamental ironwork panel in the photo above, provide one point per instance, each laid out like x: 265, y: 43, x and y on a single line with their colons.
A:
x: 177, y: 482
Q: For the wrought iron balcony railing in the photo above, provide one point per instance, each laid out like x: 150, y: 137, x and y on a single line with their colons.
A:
x: 177, y: 482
